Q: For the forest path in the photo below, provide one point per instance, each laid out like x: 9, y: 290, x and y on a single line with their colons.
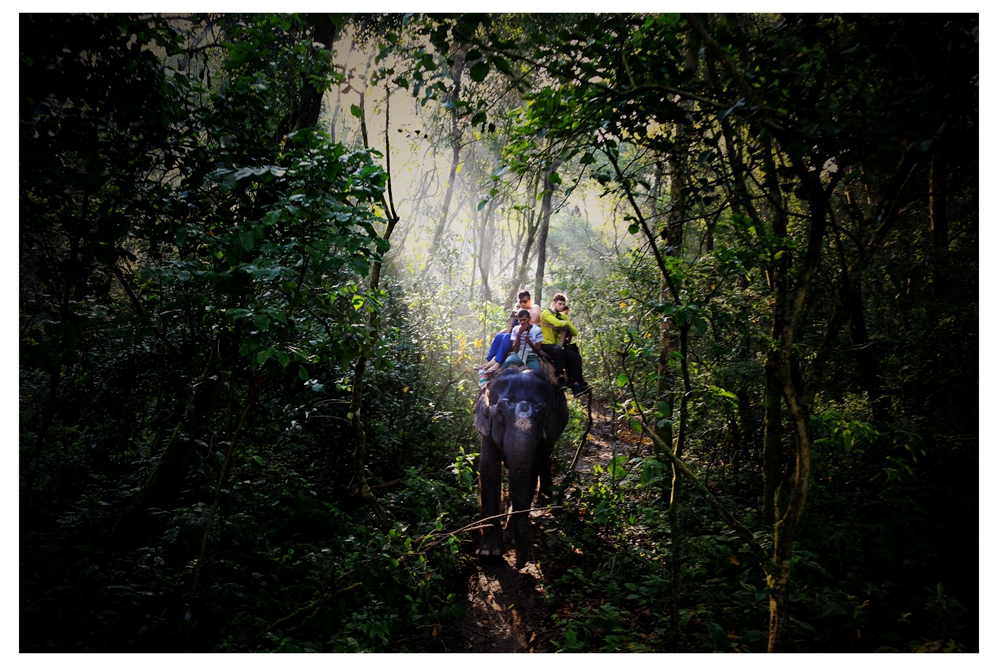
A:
x: 507, y: 610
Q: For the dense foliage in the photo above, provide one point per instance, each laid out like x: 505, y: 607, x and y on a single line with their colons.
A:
x: 238, y: 434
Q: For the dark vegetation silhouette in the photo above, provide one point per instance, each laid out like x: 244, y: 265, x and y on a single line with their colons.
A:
x: 247, y: 331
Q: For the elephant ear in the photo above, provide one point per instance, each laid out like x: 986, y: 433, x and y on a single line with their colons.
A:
x: 483, y: 414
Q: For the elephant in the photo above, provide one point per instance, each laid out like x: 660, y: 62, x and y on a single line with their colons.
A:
x: 520, y: 416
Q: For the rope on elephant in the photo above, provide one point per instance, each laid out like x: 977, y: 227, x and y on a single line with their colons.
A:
x: 585, y: 434
x: 563, y: 486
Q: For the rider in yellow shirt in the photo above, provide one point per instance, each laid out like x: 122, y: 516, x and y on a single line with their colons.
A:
x: 553, y: 322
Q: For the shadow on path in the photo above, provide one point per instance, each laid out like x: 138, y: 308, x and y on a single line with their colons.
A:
x: 505, y: 608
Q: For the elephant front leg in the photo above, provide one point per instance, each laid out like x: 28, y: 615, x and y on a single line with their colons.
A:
x: 489, y: 489
x: 522, y: 483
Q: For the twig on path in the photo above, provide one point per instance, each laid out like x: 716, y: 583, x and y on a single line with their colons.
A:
x: 479, y: 524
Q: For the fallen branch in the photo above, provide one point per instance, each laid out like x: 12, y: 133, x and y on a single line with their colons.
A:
x: 470, y: 527
x: 479, y: 524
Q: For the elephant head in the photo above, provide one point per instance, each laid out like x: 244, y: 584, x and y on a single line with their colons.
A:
x: 519, y: 416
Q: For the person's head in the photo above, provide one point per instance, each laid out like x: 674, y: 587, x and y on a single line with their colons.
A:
x: 559, y: 302
x: 523, y: 316
x: 524, y: 298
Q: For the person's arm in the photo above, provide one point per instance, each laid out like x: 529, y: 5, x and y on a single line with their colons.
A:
x: 516, y: 338
x: 572, y: 331
x: 534, y: 338
x: 549, y: 319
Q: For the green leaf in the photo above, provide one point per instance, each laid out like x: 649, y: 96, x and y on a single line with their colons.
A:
x: 246, y: 240
x: 359, y: 265
x: 262, y: 321
x: 355, y: 110
x: 483, y: 203
x: 616, y: 467
x: 796, y: 150
x: 357, y: 302
x: 303, y: 373
x: 636, y: 426
x: 181, y: 236
x: 622, y: 380
x: 258, y: 460
x: 501, y: 64
x: 479, y: 71
x: 554, y: 178
x: 232, y: 314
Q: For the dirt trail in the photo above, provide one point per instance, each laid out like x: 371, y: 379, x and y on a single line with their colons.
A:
x: 506, y: 609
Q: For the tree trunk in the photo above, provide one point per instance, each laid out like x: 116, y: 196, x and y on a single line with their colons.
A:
x: 866, y: 360
x: 773, y: 455
x: 542, y: 240
x: 520, y: 276
x: 678, y: 181
x: 455, y: 142
x: 747, y: 427
x: 938, y: 220
x: 666, y: 376
x: 374, y: 324
x: 786, y: 525
x: 674, y: 526
x: 667, y: 331
x: 485, y: 248
x: 788, y: 520
x: 309, y: 104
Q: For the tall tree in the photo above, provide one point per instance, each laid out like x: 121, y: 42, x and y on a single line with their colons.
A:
x: 816, y: 123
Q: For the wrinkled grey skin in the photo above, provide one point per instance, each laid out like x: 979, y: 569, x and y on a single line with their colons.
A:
x: 519, y: 416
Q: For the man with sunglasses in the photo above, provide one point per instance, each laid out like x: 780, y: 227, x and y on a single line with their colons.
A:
x: 526, y: 303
